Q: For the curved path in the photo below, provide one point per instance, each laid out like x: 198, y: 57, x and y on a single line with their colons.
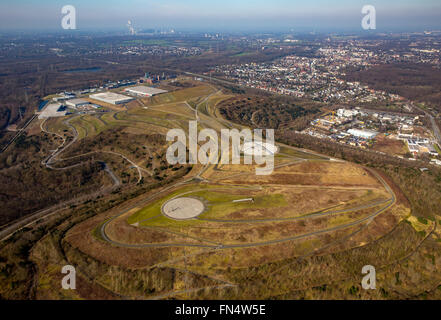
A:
x: 389, y: 203
x: 53, y: 158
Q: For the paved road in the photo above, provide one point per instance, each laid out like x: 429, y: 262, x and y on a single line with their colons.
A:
x: 435, y: 127
x: 52, y: 159
x: 389, y: 203
x: 9, y: 229
x: 319, y: 214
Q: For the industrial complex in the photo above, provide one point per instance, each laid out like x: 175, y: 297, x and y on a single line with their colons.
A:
x: 402, y: 135
x: 75, y: 103
x: 112, y: 98
x: 92, y: 100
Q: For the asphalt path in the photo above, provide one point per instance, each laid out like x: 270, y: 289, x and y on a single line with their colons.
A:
x: 435, y: 127
x: 9, y: 229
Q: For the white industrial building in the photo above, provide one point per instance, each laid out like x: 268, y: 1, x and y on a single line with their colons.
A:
x: 143, y: 91
x: 365, y: 134
x: 75, y: 103
x: 347, y: 113
x: 112, y: 98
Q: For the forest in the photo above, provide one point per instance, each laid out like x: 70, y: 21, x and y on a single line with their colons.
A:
x: 418, y: 82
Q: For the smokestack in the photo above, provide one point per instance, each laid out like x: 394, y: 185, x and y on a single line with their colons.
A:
x: 131, y: 29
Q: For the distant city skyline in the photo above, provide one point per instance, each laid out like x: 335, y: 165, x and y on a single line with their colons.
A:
x: 226, y: 15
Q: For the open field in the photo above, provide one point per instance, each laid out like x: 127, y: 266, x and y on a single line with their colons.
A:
x: 179, y: 96
x: 390, y: 146
x: 217, y: 231
x: 307, y: 203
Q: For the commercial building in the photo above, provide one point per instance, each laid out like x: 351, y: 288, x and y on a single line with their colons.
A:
x: 75, y: 103
x: 365, y: 134
x: 347, y: 113
x: 143, y: 91
x: 112, y: 98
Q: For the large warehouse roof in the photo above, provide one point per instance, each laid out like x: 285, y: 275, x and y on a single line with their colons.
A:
x: 145, y: 91
x: 367, y: 134
x: 111, y: 97
x: 76, y: 102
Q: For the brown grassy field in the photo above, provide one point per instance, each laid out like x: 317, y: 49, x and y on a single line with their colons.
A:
x: 390, y: 146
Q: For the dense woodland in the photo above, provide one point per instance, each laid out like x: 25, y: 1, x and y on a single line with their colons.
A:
x: 269, y: 111
x: 419, y: 82
x: 26, y: 186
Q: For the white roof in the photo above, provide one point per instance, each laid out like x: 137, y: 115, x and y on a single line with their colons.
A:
x: 110, y: 96
x: 77, y: 101
x: 145, y: 90
x: 362, y: 132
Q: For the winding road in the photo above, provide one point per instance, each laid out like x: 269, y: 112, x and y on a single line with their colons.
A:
x: 8, y: 230
x: 389, y: 203
x: 52, y: 159
x: 206, y: 244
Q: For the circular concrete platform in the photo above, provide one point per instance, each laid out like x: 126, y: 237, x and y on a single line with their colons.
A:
x: 183, y: 208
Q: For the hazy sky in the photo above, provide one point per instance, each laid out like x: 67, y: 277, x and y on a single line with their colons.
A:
x: 228, y: 15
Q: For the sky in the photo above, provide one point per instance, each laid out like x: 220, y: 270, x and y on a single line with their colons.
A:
x: 222, y: 15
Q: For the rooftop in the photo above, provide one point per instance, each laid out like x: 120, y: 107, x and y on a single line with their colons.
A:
x: 110, y: 96
x: 145, y: 90
x: 77, y: 101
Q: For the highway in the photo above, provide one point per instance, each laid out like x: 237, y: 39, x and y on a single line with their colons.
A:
x: 204, y: 244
